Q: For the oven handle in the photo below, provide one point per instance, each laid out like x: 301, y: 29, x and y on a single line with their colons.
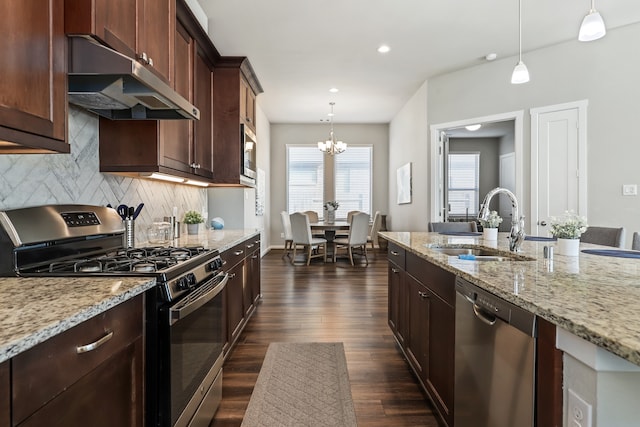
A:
x: 185, y: 309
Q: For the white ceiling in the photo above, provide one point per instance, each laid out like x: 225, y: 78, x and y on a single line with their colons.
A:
x: 301, y: 48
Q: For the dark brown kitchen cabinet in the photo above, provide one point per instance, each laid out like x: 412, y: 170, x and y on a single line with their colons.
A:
x: 140, y: 29
x: 230, y: 109
x: 65, y: 382
x: 5, y: 395
x: 252, y: 280
x: 422, y: 319
x: 233, y: 260
x: 33, y: 81
x: 202, y: 143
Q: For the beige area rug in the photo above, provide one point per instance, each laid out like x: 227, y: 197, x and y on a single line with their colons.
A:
x: 302, y: 384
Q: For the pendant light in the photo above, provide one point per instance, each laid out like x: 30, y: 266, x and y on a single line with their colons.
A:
x: 520, y: 72
x: 331, y: 146
x: 592, y: 27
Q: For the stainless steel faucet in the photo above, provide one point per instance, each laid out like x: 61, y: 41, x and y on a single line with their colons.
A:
x: 516, y: 236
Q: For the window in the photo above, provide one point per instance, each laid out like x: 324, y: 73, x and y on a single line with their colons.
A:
x: 353, y: 180
x: 464, y: 183
x: 305, y: 179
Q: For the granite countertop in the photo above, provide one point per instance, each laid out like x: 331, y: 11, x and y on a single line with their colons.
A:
x: 33, y: 310
x: 591, y: 296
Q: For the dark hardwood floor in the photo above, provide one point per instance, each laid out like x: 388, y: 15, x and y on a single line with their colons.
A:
x: 329, y: 303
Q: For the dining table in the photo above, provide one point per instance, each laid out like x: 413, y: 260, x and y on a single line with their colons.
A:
x: 329, y: 229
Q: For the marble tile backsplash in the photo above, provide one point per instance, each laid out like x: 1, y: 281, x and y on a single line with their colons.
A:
x: 40, y: 179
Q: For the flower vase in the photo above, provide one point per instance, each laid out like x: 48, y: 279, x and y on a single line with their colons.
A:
x: 568, y: 247
x: 192, y: 228
x: 490, y: 233
x: 331, y: 216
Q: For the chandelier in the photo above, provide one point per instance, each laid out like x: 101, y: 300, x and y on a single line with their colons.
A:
x: 331, y: 146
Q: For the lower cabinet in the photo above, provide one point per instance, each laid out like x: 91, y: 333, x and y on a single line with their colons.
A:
x: 242, y: 263
x: 91, y: 374
x: 422, y: 318
x: 5, y: 395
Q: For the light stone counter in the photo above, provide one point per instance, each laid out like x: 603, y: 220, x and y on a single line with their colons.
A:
x: 33, y: 310
x: 594, y: 297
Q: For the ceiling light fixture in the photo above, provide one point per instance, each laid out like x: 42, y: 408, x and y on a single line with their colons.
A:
x: 473, y: 128
x: 592, y: 27
x: 334, y: 90
x: 331, y: 146
x: 520, y: 72
x: 384, y: 48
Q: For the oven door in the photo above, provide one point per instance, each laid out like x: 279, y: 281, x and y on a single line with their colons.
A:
x: 195, y: 354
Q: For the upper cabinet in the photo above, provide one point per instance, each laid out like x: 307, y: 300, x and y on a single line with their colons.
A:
x: 234, y: 97
x: 141, y: 29
x: 33, y: 83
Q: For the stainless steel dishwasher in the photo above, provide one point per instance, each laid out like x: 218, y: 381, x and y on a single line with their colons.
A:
x: 494, y: 361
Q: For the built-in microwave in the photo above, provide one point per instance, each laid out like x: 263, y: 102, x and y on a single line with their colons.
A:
x: 248, y: 157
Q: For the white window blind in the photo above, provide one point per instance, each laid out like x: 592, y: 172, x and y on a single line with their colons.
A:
x: 305, y: 176
x: 353, y: 169
x: 464, y: 183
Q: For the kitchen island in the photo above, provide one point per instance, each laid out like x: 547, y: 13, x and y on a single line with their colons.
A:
x: 589, y: 298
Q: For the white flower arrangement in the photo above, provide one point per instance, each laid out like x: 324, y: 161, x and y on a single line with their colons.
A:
x: 569, y: 226
x: 492, y: 221
x: 331, y: 206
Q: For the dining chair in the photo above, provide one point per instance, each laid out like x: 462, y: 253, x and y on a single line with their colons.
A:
x: 375, y: 227
x: 288, y: 235
x: 453, y: 226
x: 606, y: 236
x: 313, y: 216
x: 301, y: 235
x: 357, y: 240
x: 635, y: 243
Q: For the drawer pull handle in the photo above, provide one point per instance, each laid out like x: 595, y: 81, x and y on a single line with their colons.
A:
x: 423, y: 295
x: 95, y: 344
x: 236, y: 253
x: 250, y: 245
x: 394, y: 253
x: 395, y: 271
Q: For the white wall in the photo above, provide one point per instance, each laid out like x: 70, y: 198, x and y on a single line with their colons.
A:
x: 603, y: 71
x: 355, y: 134
x: 408, y: 142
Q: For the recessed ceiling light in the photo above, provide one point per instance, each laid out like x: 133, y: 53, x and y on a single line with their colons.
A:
x: 334, y: 90
x: 473, y: 127
x: 384, y: 48
x: 490, y: 56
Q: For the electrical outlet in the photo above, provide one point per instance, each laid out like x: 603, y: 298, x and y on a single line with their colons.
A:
x: 578, y: 411
x: 629, y: 190
x: 282, y: 235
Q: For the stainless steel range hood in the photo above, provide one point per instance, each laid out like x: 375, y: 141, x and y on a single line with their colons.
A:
x: 120, y: 88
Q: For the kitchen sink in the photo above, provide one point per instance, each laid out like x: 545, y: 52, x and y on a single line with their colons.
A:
x: 473, y: 253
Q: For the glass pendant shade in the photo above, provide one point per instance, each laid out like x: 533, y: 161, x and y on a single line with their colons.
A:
x: 520, y: 74
x: 592, y: 27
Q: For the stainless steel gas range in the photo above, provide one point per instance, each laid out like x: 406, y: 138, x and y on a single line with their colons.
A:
x: 184, y: 312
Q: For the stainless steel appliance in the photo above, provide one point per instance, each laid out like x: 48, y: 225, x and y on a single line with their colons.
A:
x: 184, y: 312
x: 248, y: 166
x: 494, y: 361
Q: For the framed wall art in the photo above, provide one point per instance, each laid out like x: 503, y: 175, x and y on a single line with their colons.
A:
x: 404, y: 184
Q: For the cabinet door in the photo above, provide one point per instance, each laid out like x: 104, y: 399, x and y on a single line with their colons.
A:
x: 5, y: 395
x: 177, y: 135
x: 417, y: 343
x: 256, y: 290
x: 111, y: 21
x: 33, y: 83
x: 441, y: 335
x: 203, y: 140
x: 247, y: 104
x: 156, y: 26
x: 235, y: 297
x: 396, y: 284
x: 110, y: 395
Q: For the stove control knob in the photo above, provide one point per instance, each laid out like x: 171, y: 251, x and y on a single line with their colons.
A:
x: 182, y: 284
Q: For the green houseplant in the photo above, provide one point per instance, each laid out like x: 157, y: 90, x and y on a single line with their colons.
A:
x: 192, y: 219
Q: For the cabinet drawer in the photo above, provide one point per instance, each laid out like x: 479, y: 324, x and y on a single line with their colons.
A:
x: 396, y: 255
x: 44, y: 371
x: 251, y: 245
x: 233, y: 256
x: 440, y: 281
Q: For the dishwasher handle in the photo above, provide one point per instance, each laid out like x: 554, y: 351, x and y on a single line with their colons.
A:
x: 483, y: 315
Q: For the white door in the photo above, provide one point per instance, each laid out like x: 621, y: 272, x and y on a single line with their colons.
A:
x: 558, y: 163
x: 507, y: 179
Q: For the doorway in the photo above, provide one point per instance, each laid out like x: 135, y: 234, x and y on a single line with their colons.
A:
x: 500, y: 161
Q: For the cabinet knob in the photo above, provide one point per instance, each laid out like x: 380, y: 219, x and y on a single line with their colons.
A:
x: 394, y: 271
x: 144, y: 58
x: 423, y: 295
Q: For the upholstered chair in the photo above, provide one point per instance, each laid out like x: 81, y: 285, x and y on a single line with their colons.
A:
x: 453, y: 226
x: 606, y: 236
x: 288, y: 235
x: 301, y: 234
x: 357, y: 239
